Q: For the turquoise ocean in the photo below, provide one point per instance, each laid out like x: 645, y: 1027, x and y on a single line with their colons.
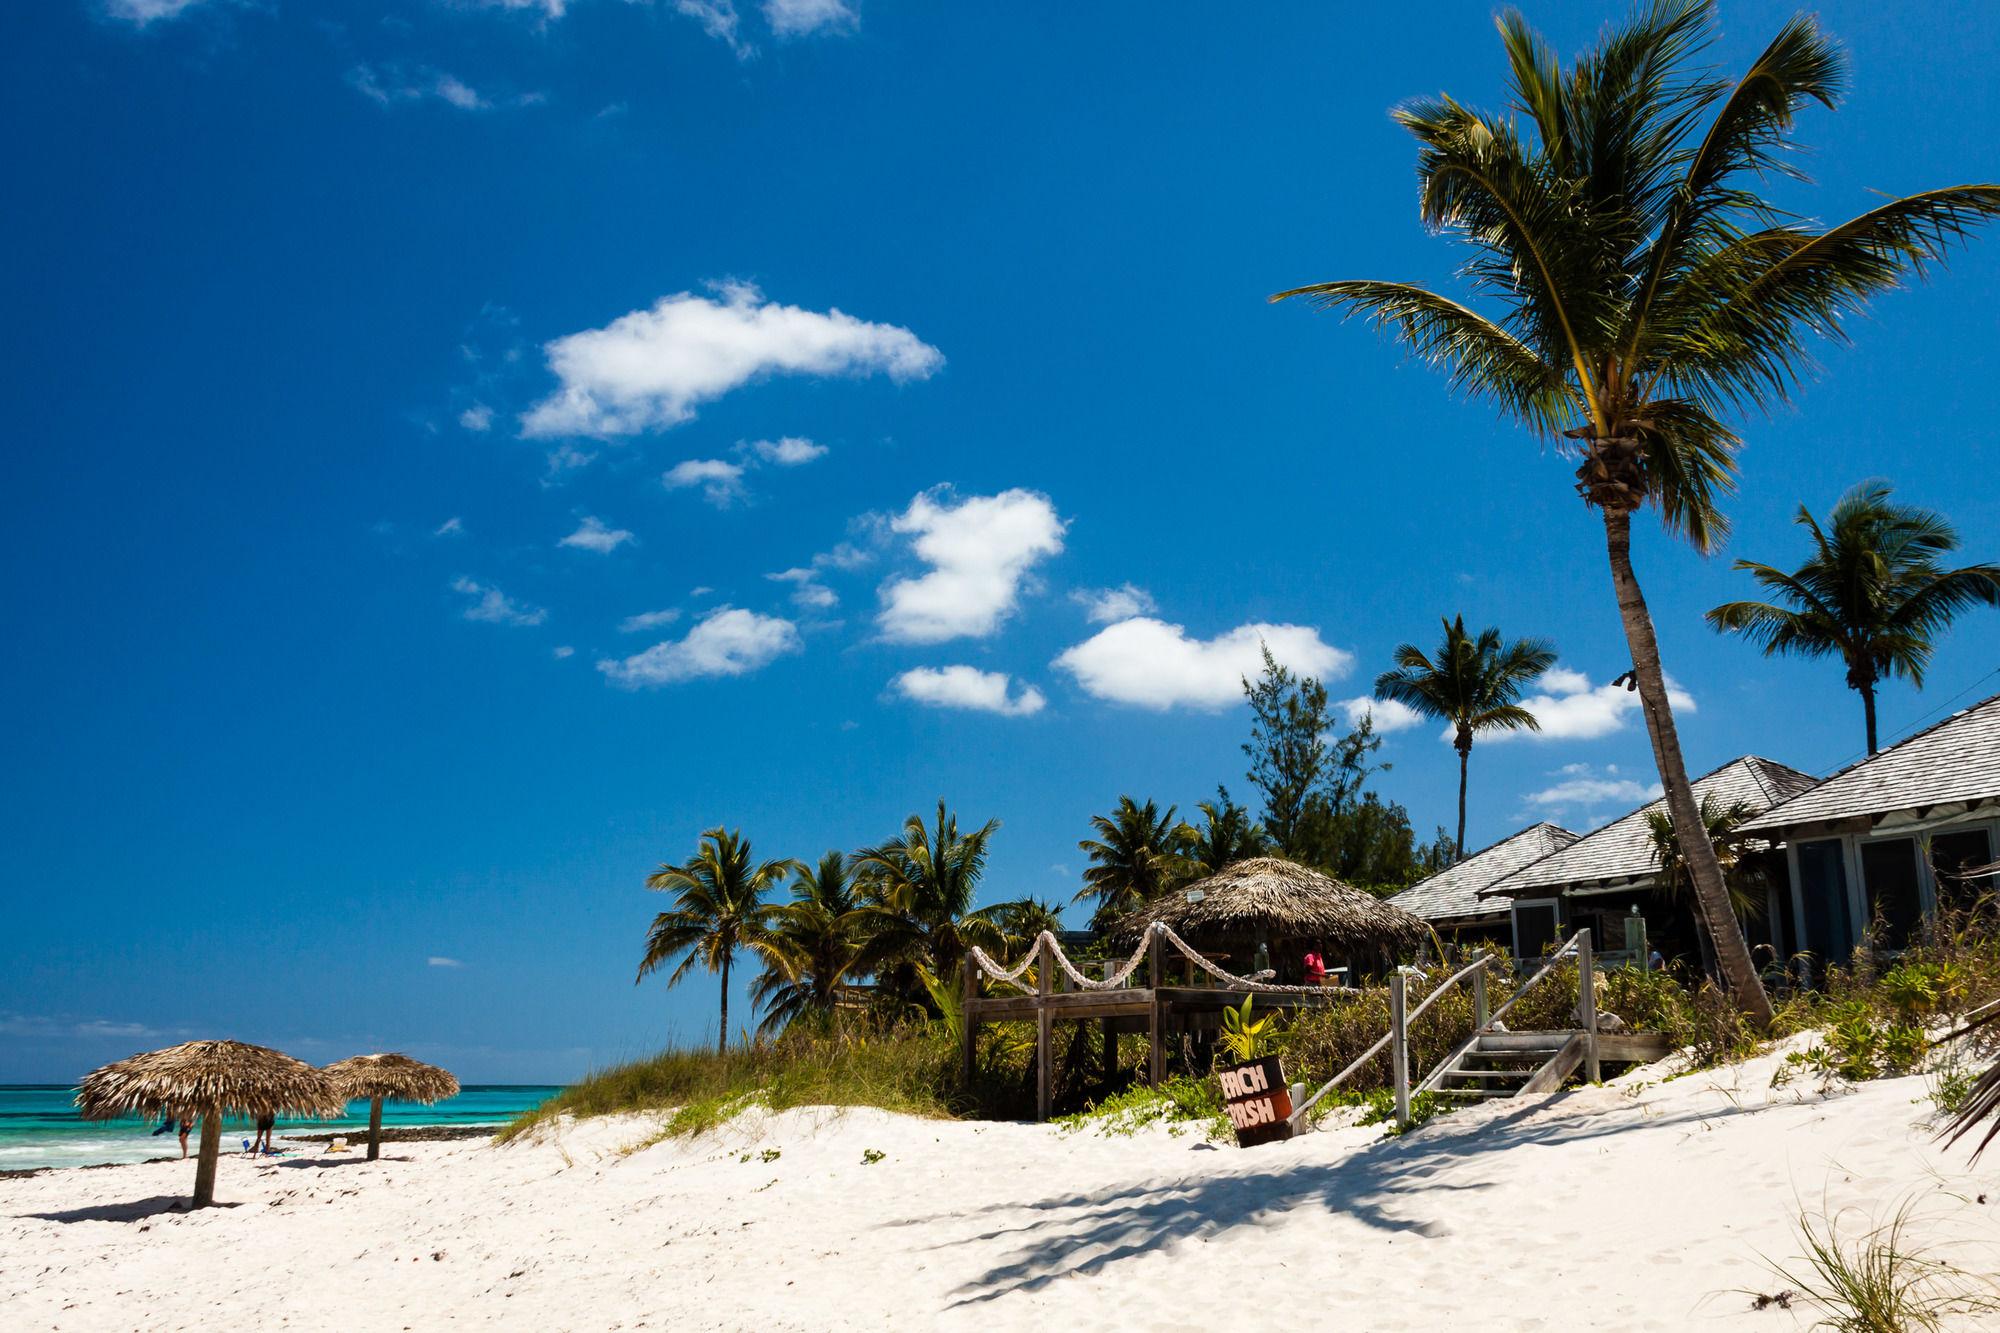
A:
x: 39, y: 1125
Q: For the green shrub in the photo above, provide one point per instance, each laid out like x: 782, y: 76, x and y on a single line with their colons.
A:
x: 1179, y: 1104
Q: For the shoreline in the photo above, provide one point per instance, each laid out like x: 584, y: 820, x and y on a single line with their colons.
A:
x: 484, y: 1129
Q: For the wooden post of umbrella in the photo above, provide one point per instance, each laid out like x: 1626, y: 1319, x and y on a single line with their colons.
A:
x: 211, y: 1154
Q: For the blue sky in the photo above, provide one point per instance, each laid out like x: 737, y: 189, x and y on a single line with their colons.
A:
x: 410, y: 404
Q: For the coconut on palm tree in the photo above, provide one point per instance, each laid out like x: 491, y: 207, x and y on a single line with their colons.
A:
x: 815, y: 948
x: 1227, y: 835
x: 1874, y: 592
x: 1137, y: 855
x: 921, y: 886
x: 1472, y: 684
x: 1644, y: 289
x: 718, y: 909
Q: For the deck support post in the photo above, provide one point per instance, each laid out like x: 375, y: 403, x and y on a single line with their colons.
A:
x: 1109, y: 1031
x: 1044, y: 1020
x: 1586, y: 1004
x: 1479, y: 1010
x: 1155, y: 1057
x: 968, y: 1025
x: 1399, y: 1046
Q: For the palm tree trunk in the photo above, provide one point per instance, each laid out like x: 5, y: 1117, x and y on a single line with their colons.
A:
x: 1732, y: 951
x: 722, y: 1032
x: 1464, y: 757
x: 211, y: 1152
x: 1867, y: 688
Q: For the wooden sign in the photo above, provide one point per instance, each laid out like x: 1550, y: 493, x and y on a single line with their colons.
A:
x: 1258, y: 1101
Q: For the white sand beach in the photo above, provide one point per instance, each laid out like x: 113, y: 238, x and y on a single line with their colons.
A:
x: 1643, y: 1204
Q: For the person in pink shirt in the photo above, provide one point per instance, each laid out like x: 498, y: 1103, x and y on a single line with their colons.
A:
x: 1315, y: 970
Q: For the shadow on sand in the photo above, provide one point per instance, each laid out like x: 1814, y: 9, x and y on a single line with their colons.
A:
x: 136, y: 1211
x: 1089, y: 1233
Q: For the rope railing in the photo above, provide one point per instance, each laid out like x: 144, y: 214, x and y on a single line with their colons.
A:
x: 1160, y: 929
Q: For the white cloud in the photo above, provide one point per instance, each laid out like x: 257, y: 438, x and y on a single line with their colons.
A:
x: 650, y: 369
x: 1582, y: 786
x: 719, y: 20
x: 702, y: 591
x: 1156, y: 665
x: 478, y: 417
x: 1570, y: 708
x: 790, y: 451
x: 648, y: 620
x: 388, y: 85
x: 1102, y: 606
x: 141, y: 12
x: 493, y: 607
x: 593, y: 534
x: 562, y: 653
x: 548, y: 8
x: 800, y: 18
x: 980, y: 550
x: 721, y: 481
x: 438, y: 960
x: 727, y: 642
x: 1389, y: 714
x: 451, y: 527
x: 807, y: 590
x: 968, y: 687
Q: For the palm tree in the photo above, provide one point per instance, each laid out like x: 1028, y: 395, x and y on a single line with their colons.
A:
x: 718, y: 908
x: 1873, y: 592
x: 818, y: 944
x: 1136, y: 856
x: 1022, y: 922
x: 1746, y: 885
x: 1646, y: 288
x: 1473, y: 684
x: 921, y: 887
x: 1227, y: 835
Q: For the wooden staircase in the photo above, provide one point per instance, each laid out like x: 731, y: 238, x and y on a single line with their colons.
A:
x: 1509, y: 1064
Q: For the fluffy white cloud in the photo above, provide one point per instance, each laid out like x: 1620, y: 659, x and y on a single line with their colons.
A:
x: 478, y: 418
x: 593, y: 534
x: 492, y: 607
x: 1581, y: 786
x: 437, y: 960
x: 389, y: 85
x: 788, y: 452
x: 980, y: 550
x: 141, y: 12
x: 799, y: 18
x: 648, y: 620
x: 968, y: 687
x: 719, y: 20
x: 650, y: 369
x: 721, y: 481
x: 807, y: 590
x: 726, y: 642
x: 1389, y: 714
x: 562, y: 652
x: 547, y: 8
x: 1156, y: 665
x: 1102, y: 606
x: 1570, y: 708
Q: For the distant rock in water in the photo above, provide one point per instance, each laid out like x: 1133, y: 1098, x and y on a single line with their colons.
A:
x: 395, y: 1134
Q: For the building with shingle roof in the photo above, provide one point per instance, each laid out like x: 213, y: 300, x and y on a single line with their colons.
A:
x: 1450, y: 900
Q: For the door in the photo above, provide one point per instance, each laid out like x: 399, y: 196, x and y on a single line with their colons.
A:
x: 1894, y: 894
x: 1827, y: 924
x: 1536, y: 921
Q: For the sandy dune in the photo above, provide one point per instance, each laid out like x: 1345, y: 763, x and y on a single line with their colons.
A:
x: 1639, y: 1205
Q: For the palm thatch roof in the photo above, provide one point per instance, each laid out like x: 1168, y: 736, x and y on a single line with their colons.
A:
x: 1268, y: 897
x: 208, y: 1078
x: 393, y: 1076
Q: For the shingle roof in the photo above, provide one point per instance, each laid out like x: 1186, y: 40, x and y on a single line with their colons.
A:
x: 1622, y: 850
x: 1957, y: 759
x: 1454, y: 893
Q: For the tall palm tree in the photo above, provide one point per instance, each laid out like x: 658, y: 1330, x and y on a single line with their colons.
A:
x: 1746, y: 886
x: 1645, y: 289
x: 1136, y: 856
x: 1473, y: 684
x: 1227, y: 835
x: 1022, y: 921
x: 718, y: 908
x: 1873, y: 592
x: 921, y: 886
x: 818, y: 945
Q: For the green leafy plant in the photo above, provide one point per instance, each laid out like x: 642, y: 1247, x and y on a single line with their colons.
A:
x: 1245, y: 1038
x: 870, y: 1156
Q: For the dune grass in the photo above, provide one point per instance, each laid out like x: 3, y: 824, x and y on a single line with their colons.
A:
x: 1880, y: 1280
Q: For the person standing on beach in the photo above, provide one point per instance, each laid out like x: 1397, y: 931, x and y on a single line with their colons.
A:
x: 187, y: 1123
x: 262, y: 1143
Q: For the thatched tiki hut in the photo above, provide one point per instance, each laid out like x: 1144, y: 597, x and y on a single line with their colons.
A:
x: 1291, y: 910
x: 208, y: 1079
x: 393, y: 1077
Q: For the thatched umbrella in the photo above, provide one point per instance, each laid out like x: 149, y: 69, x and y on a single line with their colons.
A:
x: 209, y: 1079
x: 1290, y: 907
x: 395, y: 1077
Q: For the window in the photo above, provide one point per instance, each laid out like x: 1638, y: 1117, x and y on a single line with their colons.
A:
x: 1534, y: 928
x: 1829, y: 928
x: 1895, y: 904
x: 1952, y: 855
